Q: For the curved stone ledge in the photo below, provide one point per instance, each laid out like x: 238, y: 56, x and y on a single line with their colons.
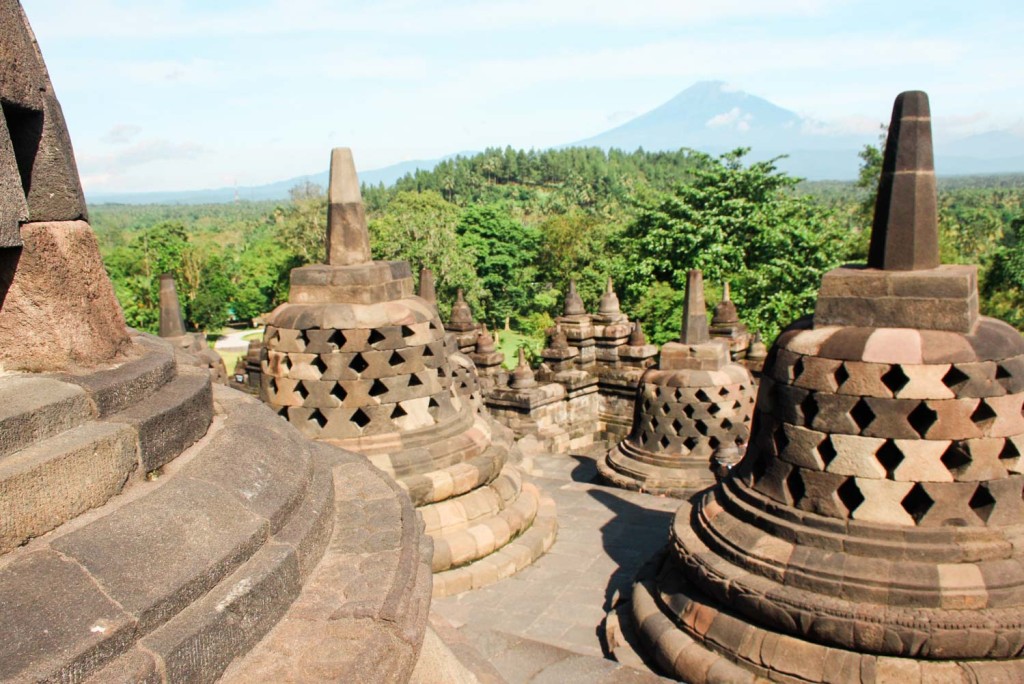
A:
x: 622, y: 468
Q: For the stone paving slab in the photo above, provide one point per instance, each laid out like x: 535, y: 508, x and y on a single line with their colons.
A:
x: 604, y: 536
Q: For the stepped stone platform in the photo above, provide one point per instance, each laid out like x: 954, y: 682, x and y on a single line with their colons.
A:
x: 157, y: 529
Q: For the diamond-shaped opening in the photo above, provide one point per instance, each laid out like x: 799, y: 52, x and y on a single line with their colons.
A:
x: 798, y: 369
x: 956, y: 456
x: 678, y: 394
x: 1009, y: 450
x: 702, y: 427
x: 827, y: 451
x: 917, y: 502
x: 702, y: 396
x: 303, y: 338
x: 795, y: 485
x: 432, y: 403
x: 982, y: 502
x: 644, y: 438
x: 301, y: 390
x: 665, y: 409
x: 375, y: 336
x: 809, y: 407
x: 434, y: 325
x: 726, y: 424
x: 1002, y: 373
x: 396, y: 359
x: 647, y: 405
x: 890, y: 456
x: 272, y: 337
x: 677, y: 426
x: 954, y: 377
x: 407, y: 331
x: 414, y: 380
x: 665, y: 442
x: 360, y: 418
x: 689, y: 410
x: 982, y: 413
x: 440, y: 372
x: 841, y: 375
x: 398, y: 411
x: 338, y: 392
x: 895, y: 379
x: 690, y: 442
x: 714, y: 409
x: 849, y: 493
x: 654, y: 423
x: 272, y: 385
x: 714, y: 442
x: 722, y: 391
x: 862, y: 414
x: 922, y: 418
x: 358, y: 363
x: 319, y: 364
x: 318, y: 418
x: 428, y: 351
x: 378, y: 388
x: 286, y: 363
x: 781, y: 440
x: 283, y: 412
x: 337, y: 338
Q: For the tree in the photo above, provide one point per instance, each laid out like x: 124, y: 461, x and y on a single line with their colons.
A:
x: 504, y: 254
x: 302, y: 224
x: 738, y: 223
x: 421, y: 228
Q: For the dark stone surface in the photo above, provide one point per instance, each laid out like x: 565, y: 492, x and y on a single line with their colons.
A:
x: 171, y: 420
x: 905, y: 233
x: 56, y: 623
x: 157, y: 555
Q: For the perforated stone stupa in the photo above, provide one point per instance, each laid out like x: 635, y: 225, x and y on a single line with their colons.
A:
x: 692, y: 412
x: 873, y: 530
x: 355, y: 359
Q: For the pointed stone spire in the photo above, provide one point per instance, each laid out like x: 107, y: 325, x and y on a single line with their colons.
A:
x: 485, y: 344
x: 725, y: 312
x: 609, y: 301
x: 461, y: 317
x: 522, y: 377
x: 637, y: 337
x: 348, y: 241
x: 905, y: 235
x: 695, y: 317
x: 558, y: 339
x: 427, y: 291
x: 573, y: 302
x: 172, y: 324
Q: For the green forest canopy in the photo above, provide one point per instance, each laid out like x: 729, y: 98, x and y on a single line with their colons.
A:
x: 511, y: 227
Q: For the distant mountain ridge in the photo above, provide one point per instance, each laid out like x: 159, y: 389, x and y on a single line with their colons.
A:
x: 709, y: 116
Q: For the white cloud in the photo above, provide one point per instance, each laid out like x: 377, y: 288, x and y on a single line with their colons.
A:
x: 121, y: 134
x: 724, y: 119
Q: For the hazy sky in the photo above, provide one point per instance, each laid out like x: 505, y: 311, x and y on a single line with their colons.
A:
x: 187, y: 94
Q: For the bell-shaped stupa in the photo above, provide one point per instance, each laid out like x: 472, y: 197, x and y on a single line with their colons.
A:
x: 873, y: 530
x: 690, y: 410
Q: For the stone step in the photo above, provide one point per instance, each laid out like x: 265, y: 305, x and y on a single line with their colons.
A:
x: 506, y: 561
x: 118, y: 388
x: 36, y: 408
x: 53, y: 480
x: 525, y: 661
x: 179, y: 562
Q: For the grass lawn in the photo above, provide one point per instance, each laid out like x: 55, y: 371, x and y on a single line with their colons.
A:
x: 509, y: 342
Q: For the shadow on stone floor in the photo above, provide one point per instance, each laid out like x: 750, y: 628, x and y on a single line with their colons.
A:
x: 632, y: 536
x: 585, y: 470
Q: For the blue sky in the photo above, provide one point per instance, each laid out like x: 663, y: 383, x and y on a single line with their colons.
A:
x: 184, y: 94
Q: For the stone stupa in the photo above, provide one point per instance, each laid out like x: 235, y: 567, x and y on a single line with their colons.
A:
x: 355, y: 359
x: 692, y: 412
x: 873, y: 532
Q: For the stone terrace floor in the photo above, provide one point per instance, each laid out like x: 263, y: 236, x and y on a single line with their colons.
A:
x: 605, y: 534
